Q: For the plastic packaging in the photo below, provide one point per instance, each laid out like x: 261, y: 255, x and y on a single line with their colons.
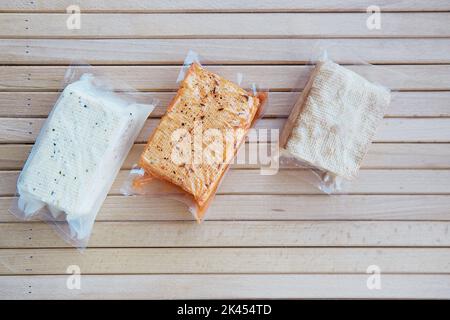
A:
x: 78, y: 153
x: 189, y: 152
x: 333, y: 123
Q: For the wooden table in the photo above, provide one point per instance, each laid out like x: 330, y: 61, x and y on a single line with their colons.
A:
x: 266, y: 236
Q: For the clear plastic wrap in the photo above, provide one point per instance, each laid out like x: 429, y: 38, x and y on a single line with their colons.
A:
x: 189, y: 152
x: 333, y: 122
x: 79, y: 152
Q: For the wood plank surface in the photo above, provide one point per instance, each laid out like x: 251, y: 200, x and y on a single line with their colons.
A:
x: 224, y: 260
x: 380, y: 156
x: 250, y: 181
x: 266, y: 236
x: 223, y: 51
x: 227, y: 286
x: 403, y: 104
x: 226, y: 25
x: 222, y: 6
x: 274, y: 208
x: 238, y: 234
x: 25, y: 130
x: 396, y: 77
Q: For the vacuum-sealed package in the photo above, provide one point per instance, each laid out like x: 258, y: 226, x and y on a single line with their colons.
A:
x: 78, y: 154
x: 332, y: 124
x: 189, y: 152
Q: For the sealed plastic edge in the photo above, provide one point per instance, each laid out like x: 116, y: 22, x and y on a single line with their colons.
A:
x: 65, y: 226
x: 129, y: 187
x: 323, y: 180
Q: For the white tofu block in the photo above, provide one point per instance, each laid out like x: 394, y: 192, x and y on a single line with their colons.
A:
x: 335, y: 120
x: 79, y: 151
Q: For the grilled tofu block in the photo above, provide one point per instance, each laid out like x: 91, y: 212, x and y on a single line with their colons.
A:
x: 334, y: 121
x: 184, y: 149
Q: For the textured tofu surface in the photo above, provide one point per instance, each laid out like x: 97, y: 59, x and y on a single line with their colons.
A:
x: 204, y: 101
x: 336, y: 120
x: 74, y: 149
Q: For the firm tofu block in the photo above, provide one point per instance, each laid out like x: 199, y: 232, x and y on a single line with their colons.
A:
x: 78, y: 152
x: 204, y: 101
x: 334, y: 122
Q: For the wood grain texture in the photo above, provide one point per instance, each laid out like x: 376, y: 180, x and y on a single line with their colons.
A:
x: 226, y: 286
x: 274, y: 208
x: 227, y: 25
x: 223, y: 51
x: 224, y: 260
x: 266, y: 236
x: 250, y: 181
x: 380, y: 156
x: 147, y: 78
x: 238, y: 234
x: 403, y: 104
x: 222, y: 6
x: 25, y: 130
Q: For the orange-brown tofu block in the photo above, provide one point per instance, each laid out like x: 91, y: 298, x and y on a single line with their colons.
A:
x: 206, y: 106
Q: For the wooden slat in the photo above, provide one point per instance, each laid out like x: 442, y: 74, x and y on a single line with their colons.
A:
x: 244, y: 181
x: 420, y: 104
x: 403, y: 104
x: 225, y: 260
x: 223, y: 51
x: 238, y: 234
x: 25, y: 130
x: 408, y: 156
x: 396, y: 77
x: 369, y: 181
x: 413, y: 130
x: 221, y: 6
x: 380, y: 156
x: 299, y: 25
x: 273, y: 207
x: 270, y: 286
